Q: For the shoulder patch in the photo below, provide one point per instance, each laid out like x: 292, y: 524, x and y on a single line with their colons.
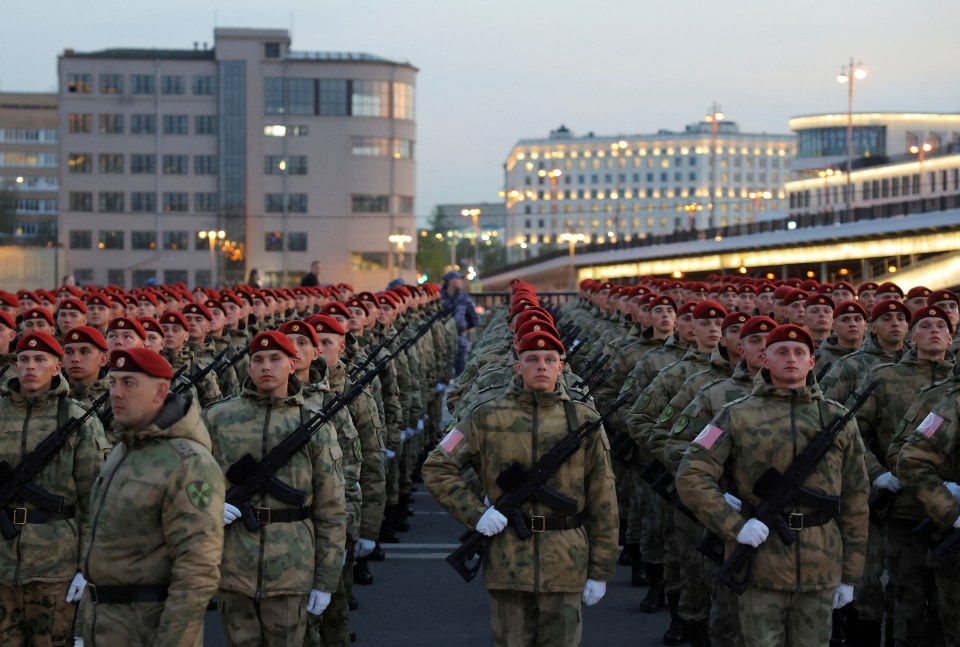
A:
x: 199, y: 494
x: 642, y: 402
x: 451, y: 440
x: 680, y: 425
x: 930, y: 425
x: 667, y: 414
x: 900, y: 427
x: 183, y: 447
x: 709, y: 436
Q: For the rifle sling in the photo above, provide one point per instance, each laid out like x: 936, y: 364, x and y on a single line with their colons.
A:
x: 21, y: 516
x: 571, y: 410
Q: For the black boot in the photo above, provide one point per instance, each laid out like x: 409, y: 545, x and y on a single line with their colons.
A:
x: 836, y: 630
x: 400, y: 518
x: 870, y: 633
x: 628, y: 554
x: 888, y: 640
x: 353, y: 603
x: 677, y: 633
x: 851, y: 627
x: 407, y: 498
x: 699, y: 634
x: 388, y: 535
x: 361, y: 572
x: 654, y: 600
x: 377, y: 555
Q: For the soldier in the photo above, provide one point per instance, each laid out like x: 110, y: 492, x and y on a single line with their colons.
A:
x: 38, y: 320
x: 849, y: 328
x: 916, y: 297
x: 124, y: 333
x: 85, y: 359
x: 270, y: 575
x: 818, y: 317
x: 464, y: 314
x: 785, y: 604
x: 98, y: 311
x: 154, y: 333
x: 8, y: 333
x: 175, y: 335
x: 153, y: 560
x: 535, y: 585
x: 39, y: 575
x: 70, y: 314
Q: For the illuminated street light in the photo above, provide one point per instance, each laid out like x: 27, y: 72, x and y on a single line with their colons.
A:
x: 920, y: 151
x: 714, y: 118
x: 399, y: 240
x: 475, y: 215
x: 848, y: 74
x: 572, y: 239
x: 212, y: 236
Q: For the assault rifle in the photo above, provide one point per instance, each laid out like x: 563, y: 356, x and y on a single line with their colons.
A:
x: 823, y: 371
x: 372, y: 354
x: 575, y: 348
x: 522, y: 485
x: 230, y: 363
x: 592, y: 367
x: 182, y: 388
x: 779, y: 491
x: 15, y: 482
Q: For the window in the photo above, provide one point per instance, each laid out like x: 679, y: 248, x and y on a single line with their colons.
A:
x: 111, y: 124
x: 205, y: 164
x: 143, y: 240
x: 143, y: 124
x: 402, y: 101
x: 172, y: 84
x: 112, y: 239
x: 369, y: 203
x: 404, y: 204
x: 403, y: 149
x: 278, y: 130
x: 205, y: 125
x: 205, y: 85
x: 142, y: 84
x: 296, y: 202
x: 271, y: 50
x: 79, y: 122
x: 175, y: 125
x: 143, y: 163
x: 273, y: 95
x: 175, y: 164
x: 80, y: 239
x: 333, y: 97
x: 83, y: 276
x: 368, y: 260
x: 273, y: 241
x: 110, y: 162
x: 116, y: 277
x: 139, y: 278
x: 370, y: 99
x: 204, y: 202
x: 301, y: 97
x: 80, y: 83
x: 111, y: 84
x: 81, y: 201
x: 369, y: 146
x: 175, y: 276
x: 175, y: 240
x: 297, y: 241
x: 32, y: 205
x: 141, y: 201
x: 111, y: 201
x: 291, y: 165
x: 80, y: 162
x: 203, y: 279
x: 175, y: 202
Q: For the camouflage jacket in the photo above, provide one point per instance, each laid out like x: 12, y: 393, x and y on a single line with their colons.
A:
x: 647, y: 368
x: 230, y: 379
x: 158, y: 520
x: 767, y: 429
x: 842, y: 380
x: 281, y: 558
x: 624, y: 358
x: 207, y: 389
x: 49, y: 552
x: 521, y: 427
x: 829, y: 353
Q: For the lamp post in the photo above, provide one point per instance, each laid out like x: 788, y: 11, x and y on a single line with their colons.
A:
x: 475, y: 215
x: 692, y: 210
x: 714, y: 118
x: 854, y: 71
x: 212, y: 236
x: 920, y: 151
x: 399, y: 240
x: 573, y: 239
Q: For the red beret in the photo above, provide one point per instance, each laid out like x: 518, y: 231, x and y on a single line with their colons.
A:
x: 794, y: 295
x: 849, y: 308
x: 890, y: 305
x: 140, y: 360
x: 39, y: 313
x: 197, y: 309
x: 72, y: 304
x: 357, y: 303
x: 931, y: 311
x: 869, y: 286
x: 86, y: 335
x: 325, y: 324
x: 230, y: 297
x: 7, y: 320
x: 345, y: 285
x: 790, y: 332
x: 809, y: 285
x: 818, y: 300
x: 150, y: 323
x: 386, y: 302
x: 733, y: 319
x: 40, y: 341
x: 889, y: 286
x: 175, y: 318
x: 728, y: 288
x: 782, y: 291
x: 94, y: 299
x: 335, y: 308
x: 756, y: 325
x: 213, y: 304
x: 69, y: 289
x: 272, y: 340
x: 746, y: 288
x: 539, y: 341
x: 942, y: 295
x: 766, y: 288
x: 27, y: 295
x: 709, y: 310
x: 297, y: 327
x: 843, y: 285
x: 126, y: 323
x: 536, y: 326
x: 148, y: 297
x: 662, y: 300
x: 686, y: 308
x: 10, y: 299
x: 918, y: 291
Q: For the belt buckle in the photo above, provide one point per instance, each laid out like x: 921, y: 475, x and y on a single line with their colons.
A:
x: 263, y: 516
x: 19, y: 516
x: 538, y: 527
x: 93, y: 592
x: 790, y: 520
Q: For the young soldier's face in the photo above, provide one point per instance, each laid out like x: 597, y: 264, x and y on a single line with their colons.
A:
x: 731, y: 340
x: 146, y: 309
x: 890, y: 328
x: 174, y: 336
x: 135, y: 397
x: 931, y: 336
x: 839, y: 296
x: 306, y: 351
x: 867, y: 299
x: 747, y: 302
x: 82, y: 362
x: 765, y: 301
x: 270, y: 371
x: 98, y: 315
x: 539, y: 369
x: 154, y: 341
x: 36, y: 370
x: 331, y: 347
x: 67, y: 320
x: 37, y: 325
x: 794, y: 313
x: 819, y: 317
x: 751, y: 350
x: 686, y: 329
x: 789, y: 362
x: 233, y: 312
x: 120, y: 338
x: 850, y: 329
x: 198, y: 328
x: 708, y: 333
x: 952, y: 309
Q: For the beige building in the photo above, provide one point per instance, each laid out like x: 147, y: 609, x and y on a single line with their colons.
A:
x: 286, y: 156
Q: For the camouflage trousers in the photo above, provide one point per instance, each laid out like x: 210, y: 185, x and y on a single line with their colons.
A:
x: 277, y: 621
x: 672, y: 576
x: 870, y: 600
x: 124, y: 624
x: 785, y: 618
x: 36, y: 614
x: 695, y: 592
x: 652, y: 511
x: 332, y: 628
x: 948, y: 593
x: 407, y: 459
x: 911, y: 584
x: 522, y: 619
x: 392, y: 474
x: 724, y: 610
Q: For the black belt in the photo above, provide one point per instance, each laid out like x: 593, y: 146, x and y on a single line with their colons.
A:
x: 283, y: 515
x: 540, y: 523
x: 126, y: 593
x: 21, y: 516
x: 800, y: 520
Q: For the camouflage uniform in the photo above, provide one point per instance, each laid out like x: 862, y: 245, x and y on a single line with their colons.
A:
x: 37, y: 566
x: 267, y: 574
x: 844, y: 377
x: 158, y: 522
x: 788, y: 600
x: 520, y: 427
x: 207, y: 389
x: 230, y: 379
x: 829, y: 353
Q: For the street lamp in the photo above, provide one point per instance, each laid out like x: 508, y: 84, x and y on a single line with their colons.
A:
x: 475, y: 215
x: 692, y: 210
x: 573, y: 239
x: 714, y: 118
x: 920, y: 151
x: 849, y: 73
x: 212, y: 236
x: 554, y: 175
x: 399, y: 240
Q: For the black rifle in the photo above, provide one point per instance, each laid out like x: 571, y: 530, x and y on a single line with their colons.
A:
x: 779, y: 491
x: 575, y: 348
x: 230, y: 363
x: 525, y: 485
x: 373, y: 352
x: 624, y: 450
x: 16, y: 481
x: 823, y: 371
x: 182, y: 388
x: 592, y: 368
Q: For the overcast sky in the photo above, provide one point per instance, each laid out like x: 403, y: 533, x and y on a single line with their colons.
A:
x: 495, y: 71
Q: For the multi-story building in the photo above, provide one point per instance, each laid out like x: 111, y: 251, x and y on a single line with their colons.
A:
x: 28, y: 167
x: 285, y: 156
x: 604, y: 188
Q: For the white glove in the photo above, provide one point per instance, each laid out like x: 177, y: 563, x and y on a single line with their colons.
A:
x: 388, y: 454
x: 75, y: 592
x: 842, y: 596
x: 491, y: 523
x: 317, y: 602
x: 230, y: 514
x: 78, y: 642
x: 887, y: 481
x: 593, y: 591
x: 406, y: 433
x: 753, y: 533
x: 364, y: 547
x: 954, y: 489
x: 733, y: 501
x: 420, y: 425
x: 441, y: 387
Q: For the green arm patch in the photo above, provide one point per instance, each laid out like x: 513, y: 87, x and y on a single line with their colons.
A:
x: 680, y: 425
x: 667, y: 413
x: 642, y: 402
x: 199, y: 493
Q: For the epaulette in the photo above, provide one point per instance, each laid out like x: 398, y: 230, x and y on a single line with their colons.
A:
x: 183, y: 447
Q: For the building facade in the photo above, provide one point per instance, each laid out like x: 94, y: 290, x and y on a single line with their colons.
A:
x: 200, y: 165
x: 604, y: 188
